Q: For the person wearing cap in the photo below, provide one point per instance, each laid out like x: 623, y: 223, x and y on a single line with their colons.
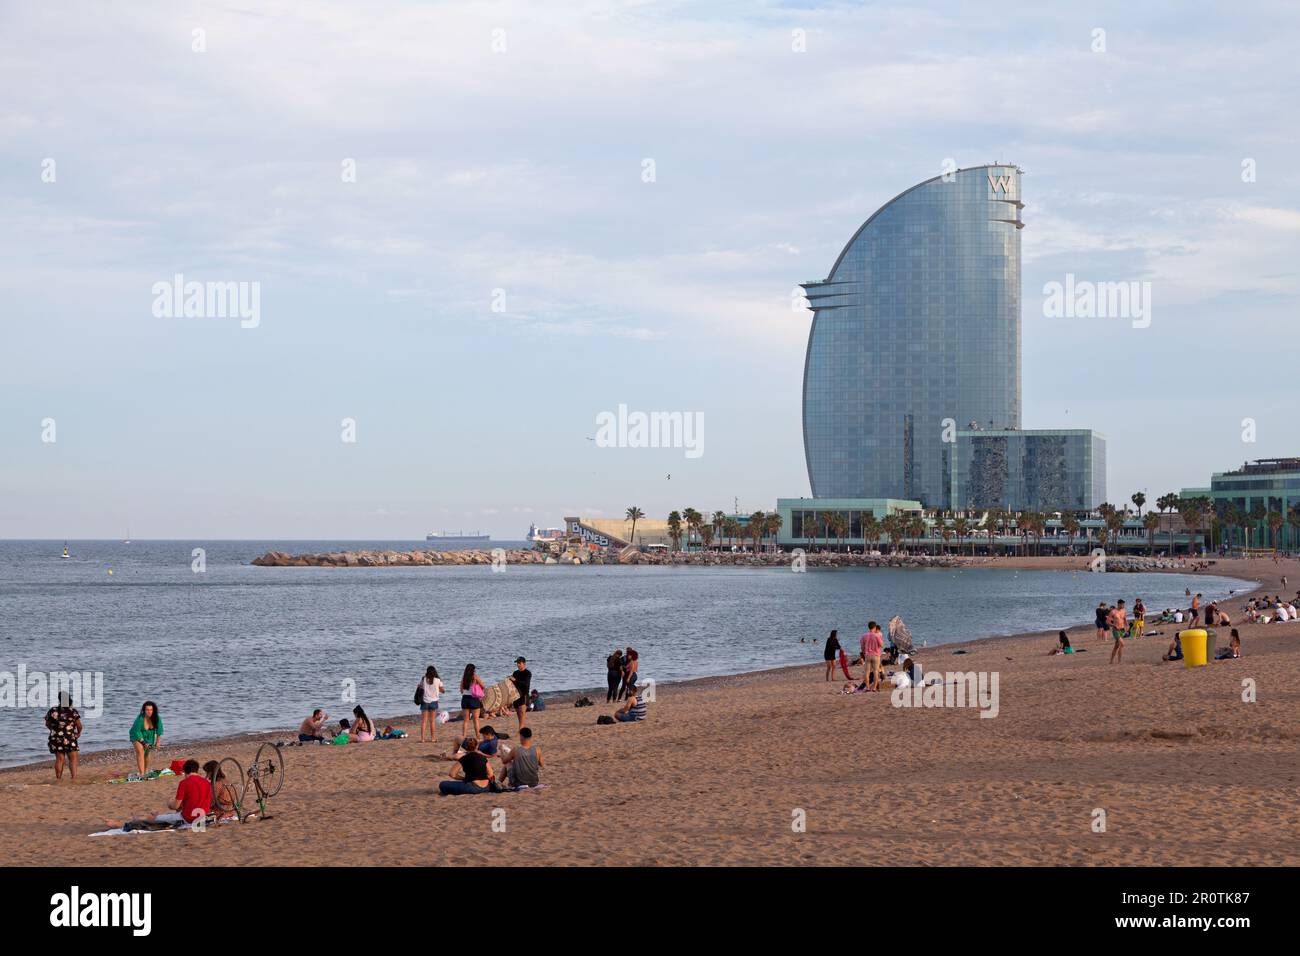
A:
x: 523, y: 680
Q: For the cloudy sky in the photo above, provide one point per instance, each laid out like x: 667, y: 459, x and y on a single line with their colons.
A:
x: 499, y: 270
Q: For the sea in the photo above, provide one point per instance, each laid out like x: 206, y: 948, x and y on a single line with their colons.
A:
x: 225, y: 648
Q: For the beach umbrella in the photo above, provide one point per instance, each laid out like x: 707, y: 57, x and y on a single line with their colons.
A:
x: 899, y: 634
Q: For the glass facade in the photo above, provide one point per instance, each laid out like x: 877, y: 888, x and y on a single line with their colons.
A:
x: 1049, y: 470
x: 917, y: 324
x: 1255, y: 490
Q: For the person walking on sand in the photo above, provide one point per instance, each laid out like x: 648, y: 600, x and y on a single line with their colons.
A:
x: 522, y: 678
x: 613, y: 675
x: 471, y: 699
x: 873, y: 644
x: 1103, y: 611
x: 430, y: 689
x: 64, y: 725
x: 1196, y: 608
x: 146, y: 735
x: 830, y: 653
x: 1118, y: 625
x: 1139, y: 617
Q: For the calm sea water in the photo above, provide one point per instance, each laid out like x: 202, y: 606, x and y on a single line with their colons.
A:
x: 238, y: 648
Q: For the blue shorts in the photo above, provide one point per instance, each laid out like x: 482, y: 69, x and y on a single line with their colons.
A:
x: 429, y: 705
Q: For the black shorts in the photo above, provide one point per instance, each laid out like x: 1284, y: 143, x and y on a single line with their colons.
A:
x: 470, y: 702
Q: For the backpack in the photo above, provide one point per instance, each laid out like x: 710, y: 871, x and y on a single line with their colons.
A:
x: 604, y: 719
x: 419, y: 693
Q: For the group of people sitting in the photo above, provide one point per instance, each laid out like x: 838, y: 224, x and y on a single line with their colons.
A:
x: 1230, y: 653
x: 203, y: 794
x: 1271, y: 609
x: 360, y: 728
x: 521, y: 766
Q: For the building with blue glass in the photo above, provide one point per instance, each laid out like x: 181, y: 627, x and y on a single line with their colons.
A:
x: 1044, y: 470
x: 916, y: 336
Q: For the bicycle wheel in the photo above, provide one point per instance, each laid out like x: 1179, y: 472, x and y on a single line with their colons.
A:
x: 232, y: 781
x: 268, y: 769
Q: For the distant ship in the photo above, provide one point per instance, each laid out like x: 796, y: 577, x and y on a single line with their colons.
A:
x: 544, y: 535
x: 442, y: 539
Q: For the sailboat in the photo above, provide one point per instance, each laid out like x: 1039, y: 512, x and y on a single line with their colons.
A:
x: 65, y: 550
x: 127, y: 540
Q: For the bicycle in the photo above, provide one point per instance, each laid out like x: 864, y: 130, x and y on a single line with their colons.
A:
x: 265, y: 775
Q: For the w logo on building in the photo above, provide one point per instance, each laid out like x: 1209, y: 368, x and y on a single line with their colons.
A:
x: 1001, y: 183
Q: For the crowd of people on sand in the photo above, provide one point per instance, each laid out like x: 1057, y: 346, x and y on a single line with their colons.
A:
x: 873, y: 655
x: 1114, y: 622
x: 203, y: 792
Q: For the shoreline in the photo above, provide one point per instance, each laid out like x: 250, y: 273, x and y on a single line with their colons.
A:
x: 408, y: 721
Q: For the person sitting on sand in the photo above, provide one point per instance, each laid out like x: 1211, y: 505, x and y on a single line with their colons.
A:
x: 193, y: 800
x: 535, y: 701
x: 471, y: 773
x: 310, y: 731
x: 1233, y: 651
x: 1062, y: 645
x: 635, y: 708
x: 829, y: 653
x: 146, y: 735
x: 522, y: 766
x: 1175, y: 652
x: 362, y: 728
x: 223, y: 793
x: 488, y: 741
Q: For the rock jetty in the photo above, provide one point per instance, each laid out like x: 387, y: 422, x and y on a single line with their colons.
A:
x: 430, y: 558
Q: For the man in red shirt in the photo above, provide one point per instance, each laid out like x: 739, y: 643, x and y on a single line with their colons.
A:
x: 193, y: 801
x: 873, y: 645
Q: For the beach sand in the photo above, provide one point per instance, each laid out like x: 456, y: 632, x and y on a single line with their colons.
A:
x: 1186, y: 772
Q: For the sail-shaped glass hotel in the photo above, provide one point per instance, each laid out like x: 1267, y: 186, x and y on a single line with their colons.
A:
x: 915, y: 344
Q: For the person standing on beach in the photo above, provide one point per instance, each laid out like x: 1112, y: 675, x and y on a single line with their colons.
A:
x: 873, y: 644
x: 613, y: 675
x: 1103, y: 612
x: 64, y: 725
x: 1118, y: 625
x: 146, y: 735
x: 431, y: 689
x: 830, y: 653
x: 1196, y: 608
x: 522, y: 678
x: 631, y: 664
x: 1139, y: 617
x: 471, y: 699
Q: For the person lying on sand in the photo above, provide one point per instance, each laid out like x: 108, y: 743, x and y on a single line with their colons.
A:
x: 193, y: 800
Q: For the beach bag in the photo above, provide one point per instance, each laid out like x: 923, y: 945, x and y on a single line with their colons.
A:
x: 476, y: 690
x: 419, y: 694
x: 604, y: 719
x: 341, y: 739
x: 444, y: 716
x: 178, y: 767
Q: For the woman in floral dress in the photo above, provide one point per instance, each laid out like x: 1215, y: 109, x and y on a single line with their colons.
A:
x: 64, y: 724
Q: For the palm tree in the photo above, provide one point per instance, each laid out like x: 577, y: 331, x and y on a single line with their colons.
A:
x: 675, y: 529
x: 757, y: 522
x: 824, y: 519
x: 870, y: 530
x: 1293, y: 522
x: 634, y: 514
x: 774, y: 523
x: 1190, y: 512
x: 1232, y: 520
x: 719, y: 519
x: 960, y: 527
x: 947, y: 532
x: 916, y: 530
x: 732, y: 528
x: 1168, y: 502
x: 1139, y: 499
x: 1151, y: 522
x: 893, y: 525
x: 1275, y: 521
x: 706, y: 535
x: 1115, y: 524
x: 693, y: 519
x: 1070, y: 525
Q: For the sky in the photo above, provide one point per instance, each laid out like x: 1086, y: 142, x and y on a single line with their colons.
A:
x: 474, y: 228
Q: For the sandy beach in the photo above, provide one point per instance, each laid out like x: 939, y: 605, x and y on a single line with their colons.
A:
x: 723, y: 770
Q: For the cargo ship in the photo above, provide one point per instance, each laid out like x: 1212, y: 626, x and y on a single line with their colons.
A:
x: 450, y: 542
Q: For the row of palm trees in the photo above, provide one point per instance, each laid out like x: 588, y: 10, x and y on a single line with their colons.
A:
x: 1197, y: 514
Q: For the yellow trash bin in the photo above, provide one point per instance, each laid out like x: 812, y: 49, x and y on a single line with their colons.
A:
x: 1193, y: 643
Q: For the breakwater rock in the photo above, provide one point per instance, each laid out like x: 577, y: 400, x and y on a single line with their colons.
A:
x: 431, y: 558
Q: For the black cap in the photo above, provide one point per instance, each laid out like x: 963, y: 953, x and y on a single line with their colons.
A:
x: 520, y: 660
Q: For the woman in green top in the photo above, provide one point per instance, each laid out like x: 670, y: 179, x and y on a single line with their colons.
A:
x: 146, y: 735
